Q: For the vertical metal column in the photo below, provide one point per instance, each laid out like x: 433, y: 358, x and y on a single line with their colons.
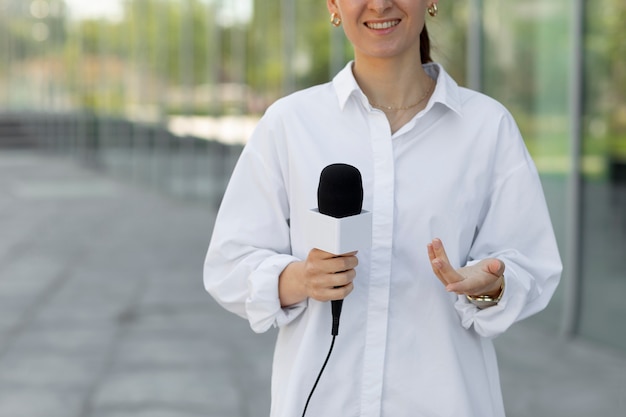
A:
x: 160, y: 162
x: 6, y: 59
x: 214, y: 55
x: 475, y: 29
x: 572, y: 263
x: 288, y: 14
x: 184, y: 175
x: 141, y: 141
x: 82, y: 87
x: 186, y: 57
x: 135, y: 55
x: 239, y: 55
x: 120, y: 132
x: 103, y: 112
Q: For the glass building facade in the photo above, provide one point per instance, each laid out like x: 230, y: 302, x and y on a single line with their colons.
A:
x: 180, y: 83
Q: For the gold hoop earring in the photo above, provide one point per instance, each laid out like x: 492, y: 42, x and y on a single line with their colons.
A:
x: 433, y: 10
x: 335, y: 20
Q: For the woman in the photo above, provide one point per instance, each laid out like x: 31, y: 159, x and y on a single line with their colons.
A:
x: 440, y: 164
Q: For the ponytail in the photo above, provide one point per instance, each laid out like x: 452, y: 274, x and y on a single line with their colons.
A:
x: 425, y: 46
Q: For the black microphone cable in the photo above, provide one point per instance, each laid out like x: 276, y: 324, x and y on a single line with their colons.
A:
x: 332, y: 344
x: 336, y: 312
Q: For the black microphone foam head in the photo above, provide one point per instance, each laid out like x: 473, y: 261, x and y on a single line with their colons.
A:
x: 340, y: 192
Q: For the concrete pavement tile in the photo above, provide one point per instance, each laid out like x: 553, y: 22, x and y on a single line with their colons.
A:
x: 145, y: 351
x: 21, y: 223
x: 24, y: 283
x: 155, y: 412
x: 543, y: 375
x: 29, y: 275
x: 81, y: 310
x: 48, y: 229
x: 39, y: 402
x: 67, y: 339
x: 65, y: 188
x: 163, y: 388
x: 191, y: 321
x: 180, y: 289
x: 49, y: 369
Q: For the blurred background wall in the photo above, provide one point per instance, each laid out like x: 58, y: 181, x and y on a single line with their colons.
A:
x: 165, y: 93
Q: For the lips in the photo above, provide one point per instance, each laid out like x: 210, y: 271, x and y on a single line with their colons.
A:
x: 382, y: 25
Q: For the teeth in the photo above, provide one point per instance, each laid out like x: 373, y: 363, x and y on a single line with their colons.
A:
x: 383, y: 25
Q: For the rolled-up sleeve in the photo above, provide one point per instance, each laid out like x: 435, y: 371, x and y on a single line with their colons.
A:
x: 250, y: 245
x: 263, y: 307
x: 515, y: 227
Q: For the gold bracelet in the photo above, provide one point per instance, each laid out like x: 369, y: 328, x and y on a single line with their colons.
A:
x: 484, y: 301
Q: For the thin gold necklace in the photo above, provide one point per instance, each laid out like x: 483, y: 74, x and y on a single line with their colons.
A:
x: 391, y: 108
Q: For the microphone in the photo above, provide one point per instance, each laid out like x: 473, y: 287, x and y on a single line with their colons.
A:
x: 340, y: 195
x: 338, y: 226
x: 340, y: 192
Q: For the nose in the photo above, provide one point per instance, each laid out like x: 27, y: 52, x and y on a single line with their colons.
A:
x: 379, y: 6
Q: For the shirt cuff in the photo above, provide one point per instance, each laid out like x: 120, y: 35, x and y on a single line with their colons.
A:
x: 263, y: 307
x: 495, y: 320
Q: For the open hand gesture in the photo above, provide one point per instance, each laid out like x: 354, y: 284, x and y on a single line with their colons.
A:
x: 483, y: 278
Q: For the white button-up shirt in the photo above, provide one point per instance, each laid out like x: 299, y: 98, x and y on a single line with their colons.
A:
x: 459, y: 171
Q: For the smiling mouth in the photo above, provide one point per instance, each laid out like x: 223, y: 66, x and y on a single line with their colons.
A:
x: 382, y: 25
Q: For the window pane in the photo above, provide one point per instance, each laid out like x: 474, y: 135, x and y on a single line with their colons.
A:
x: 604, y: 165
x: 526, y: 62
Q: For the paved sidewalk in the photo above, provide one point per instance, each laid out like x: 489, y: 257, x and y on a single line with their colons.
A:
x: 103, y: 313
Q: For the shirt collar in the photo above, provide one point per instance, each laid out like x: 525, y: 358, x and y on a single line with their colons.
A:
x: 345, y: 85
x: 447, y: 91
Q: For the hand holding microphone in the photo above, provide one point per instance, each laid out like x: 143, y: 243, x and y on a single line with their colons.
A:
x: 329, y: 277
x: 322, y: 276
x: 340, y: 200
x: 336, y: 230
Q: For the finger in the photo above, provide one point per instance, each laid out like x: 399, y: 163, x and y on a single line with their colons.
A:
x: 441, y: 265
x: 320, y: 262
x: 342, y: 278
x: 496, y: 267
x: 436, y: 264
x: 432, y: 257
x: 340, y: 293
x: 342, y: 263
x: 445, y: 272
x: 320, y: 254
x: 329, y: 294
x: 333, y: 287
x: 431, y: 252
x: 439, y: 250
